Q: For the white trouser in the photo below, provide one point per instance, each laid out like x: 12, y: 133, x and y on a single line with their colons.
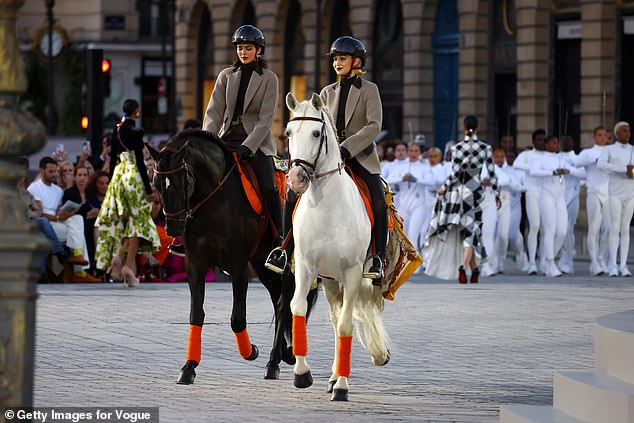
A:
x: 502, y: 229
x: 489, y: 221
x: 568, y: 249
x: 413, y: 217
x: 620, y: 217
x: 71, y: 233
x: 532, y: 213
x: 554, y: 224
x: 598, y: 226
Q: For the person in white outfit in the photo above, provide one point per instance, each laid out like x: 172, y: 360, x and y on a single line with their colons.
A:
x: 551, y: 169
x: 616, y: 159
x: 489, y: 222
x: 533, y: 192
x: 412, y: 193
x: 509, y: 184
x: 597, y: 195
x: 516, y: 239
x: 435, y: 175
x: 573, y: 184
x: 389, y: 172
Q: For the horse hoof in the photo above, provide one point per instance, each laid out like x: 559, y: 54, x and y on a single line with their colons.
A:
x: 287, y: 356
x: 272, y: 372
x: 387, y: 359
x: 331, y: 385
x: 254, y: 353
x: 303, y: 381
x: 339, y: 395
x: 188, y: 374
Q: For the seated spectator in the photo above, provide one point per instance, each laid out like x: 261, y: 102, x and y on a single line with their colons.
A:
x: 66, y: 175
x: 68, y: 226
x: 34, y: 212
x: 98, y: 186
x: 82, y: 193
x: 102, y: 161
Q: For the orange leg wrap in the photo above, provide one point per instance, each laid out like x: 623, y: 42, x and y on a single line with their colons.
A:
x: 243, y: 343
x: 300, y: 343
x: 343, y: 356
x: 193, y: 344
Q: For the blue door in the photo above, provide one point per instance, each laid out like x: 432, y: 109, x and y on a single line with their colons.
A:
x: 446, y: 48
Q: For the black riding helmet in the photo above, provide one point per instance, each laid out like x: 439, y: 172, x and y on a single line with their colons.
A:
x: 348, y: 45
x: 249, y: 34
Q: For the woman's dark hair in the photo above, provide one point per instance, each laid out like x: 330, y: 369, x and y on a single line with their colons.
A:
x: 98, y: 174
x: 130, y: 106
x: 471, y: 123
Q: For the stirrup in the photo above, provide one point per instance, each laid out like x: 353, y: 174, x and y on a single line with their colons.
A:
x: 377, y: 274
x: 272, y: 261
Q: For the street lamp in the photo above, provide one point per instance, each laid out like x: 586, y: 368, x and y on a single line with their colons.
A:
x: 52, y: 114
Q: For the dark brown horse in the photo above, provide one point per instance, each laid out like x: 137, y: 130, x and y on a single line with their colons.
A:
x: 204, y: 201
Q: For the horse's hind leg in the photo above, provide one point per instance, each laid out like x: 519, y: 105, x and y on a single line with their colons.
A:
x: 334, y: 296
x: 239, y: 282
x: 344, y: 329
x: 273, y: 283
x: 196, y: 280
x: 299, y: 307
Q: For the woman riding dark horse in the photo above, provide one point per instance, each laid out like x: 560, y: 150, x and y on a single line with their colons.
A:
x: 203, y: 200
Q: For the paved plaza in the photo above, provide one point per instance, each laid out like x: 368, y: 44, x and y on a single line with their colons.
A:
x: 458, y: 352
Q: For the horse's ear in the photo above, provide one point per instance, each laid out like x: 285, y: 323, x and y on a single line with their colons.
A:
x: 316, y: 101
x: 291, y: 102
x: 152, y: 151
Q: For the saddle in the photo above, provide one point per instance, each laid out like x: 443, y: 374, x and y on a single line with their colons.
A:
x: 252, y: 187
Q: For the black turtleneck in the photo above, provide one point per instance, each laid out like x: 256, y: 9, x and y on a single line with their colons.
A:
x: 345, y: 84
x: 245, y: 77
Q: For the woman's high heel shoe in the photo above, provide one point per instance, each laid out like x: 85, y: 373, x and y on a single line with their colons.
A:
x: 115, y: 269
x: 475, y: 275
x: 129, y: 277
x: 462, y: 275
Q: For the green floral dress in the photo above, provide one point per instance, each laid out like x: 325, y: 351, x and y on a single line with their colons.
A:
x: 125, y: 213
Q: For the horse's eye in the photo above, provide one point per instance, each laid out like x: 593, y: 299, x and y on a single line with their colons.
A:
x: 287, y: 132
x: 316, y: 134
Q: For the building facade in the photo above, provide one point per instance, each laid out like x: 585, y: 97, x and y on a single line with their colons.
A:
x: 517, y: 64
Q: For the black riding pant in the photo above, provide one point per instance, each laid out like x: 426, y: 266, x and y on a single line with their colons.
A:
x: 379, y: 206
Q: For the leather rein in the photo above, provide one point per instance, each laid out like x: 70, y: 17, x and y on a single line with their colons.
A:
x: 309, y: 167
x: 189, y: 180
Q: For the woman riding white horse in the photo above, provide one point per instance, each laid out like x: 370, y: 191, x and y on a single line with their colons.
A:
x: 332, y: 239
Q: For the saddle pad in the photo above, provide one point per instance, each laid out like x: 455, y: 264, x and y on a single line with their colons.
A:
x: 251, y: 186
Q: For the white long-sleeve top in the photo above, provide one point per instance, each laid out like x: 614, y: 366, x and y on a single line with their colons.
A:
x: 614, y: 160
x: 389, y: 168
x: 573, y: 182
x: 411, y: 194
x: 543, y: 169
x: 508, y: 181
x: 524, y: 162
x: 598, y: 181
x: 519, y: 176
x: 434, y: 177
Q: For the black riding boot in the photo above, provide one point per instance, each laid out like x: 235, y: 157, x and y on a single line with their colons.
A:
x: 380, y: 242
x: 278, y: 258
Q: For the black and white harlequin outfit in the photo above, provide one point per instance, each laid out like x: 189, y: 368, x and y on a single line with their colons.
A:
x: 457, y: 219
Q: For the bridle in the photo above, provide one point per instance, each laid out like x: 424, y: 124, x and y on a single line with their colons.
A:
x: 190, y: 182
x: 309, y: 167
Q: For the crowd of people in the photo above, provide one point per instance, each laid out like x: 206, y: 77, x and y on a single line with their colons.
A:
x: 518, y: 204
x: 464, y: 214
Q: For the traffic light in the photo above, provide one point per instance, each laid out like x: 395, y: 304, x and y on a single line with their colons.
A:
x: 105, y: 73
x: 94, y: 97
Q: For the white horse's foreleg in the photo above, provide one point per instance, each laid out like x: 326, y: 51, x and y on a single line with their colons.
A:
x: 334, y: 296
x: 344, y: 330
x: 299, y: 307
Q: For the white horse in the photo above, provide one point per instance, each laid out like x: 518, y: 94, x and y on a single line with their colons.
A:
x: 332, y: 233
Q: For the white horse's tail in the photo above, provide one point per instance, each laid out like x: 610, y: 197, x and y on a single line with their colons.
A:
x: 368, y: 314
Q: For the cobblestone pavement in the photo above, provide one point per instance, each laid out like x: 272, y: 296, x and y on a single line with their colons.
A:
x: 458, y: 351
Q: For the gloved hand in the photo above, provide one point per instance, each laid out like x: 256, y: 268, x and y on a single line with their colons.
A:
x: 244, y: 152
x: 345, y: 154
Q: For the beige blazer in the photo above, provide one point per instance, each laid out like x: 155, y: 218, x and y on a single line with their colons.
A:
x: 364, y: 117
x: 260, y: 105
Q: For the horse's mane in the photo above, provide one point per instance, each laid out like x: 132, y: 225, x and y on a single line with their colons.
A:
x: 204, y: 144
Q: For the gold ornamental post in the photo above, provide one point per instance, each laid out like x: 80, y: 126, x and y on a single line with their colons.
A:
x: 21, y: 245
